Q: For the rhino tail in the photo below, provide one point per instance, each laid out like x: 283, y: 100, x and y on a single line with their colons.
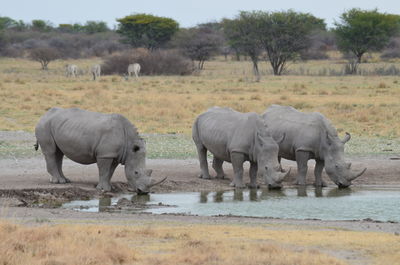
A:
x: 36, y: 145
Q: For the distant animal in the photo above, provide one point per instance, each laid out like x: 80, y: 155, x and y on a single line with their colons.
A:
x: 237, y: 137
x: 96, y: 71
x: 310, y: 136
x: 134, y: 69
x: 71, y: 70
x: 89, y: 137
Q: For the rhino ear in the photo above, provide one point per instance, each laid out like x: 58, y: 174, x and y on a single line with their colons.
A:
x: 260, y: 138
x: 280, y: 140
x: 328, y: 139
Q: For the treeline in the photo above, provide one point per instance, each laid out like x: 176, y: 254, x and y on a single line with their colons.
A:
x: 275, y: 37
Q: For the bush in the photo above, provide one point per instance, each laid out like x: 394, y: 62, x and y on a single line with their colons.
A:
x: 160, y: 62
x: 44, y: 56
x: 11, y: 51
x: 313, y: 54
x: 393, y: 49
x: 391, y: 53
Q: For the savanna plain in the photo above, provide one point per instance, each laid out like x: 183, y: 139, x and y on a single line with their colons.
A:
x: 163, y: 108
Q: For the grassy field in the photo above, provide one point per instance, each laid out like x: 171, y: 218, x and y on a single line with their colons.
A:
x: 177, y: 243
x: 367, y: 106
x: 180, y: 146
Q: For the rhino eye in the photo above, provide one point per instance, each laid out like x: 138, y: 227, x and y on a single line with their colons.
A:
x: 136, y: 172
x: 136, y: 148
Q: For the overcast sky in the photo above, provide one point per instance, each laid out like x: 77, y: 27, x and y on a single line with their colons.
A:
x: 187, y: 13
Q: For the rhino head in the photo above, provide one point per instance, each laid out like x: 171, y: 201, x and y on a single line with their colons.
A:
x: 138, y: 177
x: 338, y: 170
x: 266, y: 152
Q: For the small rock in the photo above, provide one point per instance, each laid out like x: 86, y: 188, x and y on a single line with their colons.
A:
x: 396, y: 233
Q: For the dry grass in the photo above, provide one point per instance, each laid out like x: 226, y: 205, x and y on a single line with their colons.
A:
x: 189, y: 244
x: 367, y: 106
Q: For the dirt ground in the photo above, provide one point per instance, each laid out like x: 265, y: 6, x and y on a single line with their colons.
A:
x: 27, y: 195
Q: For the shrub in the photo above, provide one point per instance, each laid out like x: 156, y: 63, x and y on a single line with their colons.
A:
x: 391, y: 53
x: 313, y: 54
x: 44, y: 56
x: 160, y: 62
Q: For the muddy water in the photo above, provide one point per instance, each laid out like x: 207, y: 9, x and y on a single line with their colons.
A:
x: 381, y: 204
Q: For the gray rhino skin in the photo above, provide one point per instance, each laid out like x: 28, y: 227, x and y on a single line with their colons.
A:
x: 310, y: 136
x: 237, y: 137
x: 89, y: 137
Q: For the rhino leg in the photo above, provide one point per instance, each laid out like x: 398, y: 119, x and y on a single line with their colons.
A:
x: 59, y: 161
x: 202, y: 152
x: 237, y: 163
x: 319, y: 166
x: 217, y: 166
x: 53, y: 157
x: 302, y: 158
x: 253, y: 175
x: 52, y: 168
x: 106, y: 169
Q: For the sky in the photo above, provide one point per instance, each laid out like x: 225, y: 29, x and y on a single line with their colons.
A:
x: 188, y: 13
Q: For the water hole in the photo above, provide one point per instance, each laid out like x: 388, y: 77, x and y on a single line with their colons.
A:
x: 356, y: 203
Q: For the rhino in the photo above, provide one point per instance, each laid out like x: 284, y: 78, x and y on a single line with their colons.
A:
x: 311, y: 136
x: 90, y: 137
x: 237, y: 137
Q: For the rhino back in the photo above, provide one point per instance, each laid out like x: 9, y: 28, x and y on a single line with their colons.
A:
x: 223, y: 130
x: 305, y: 131
x: 85, y: 136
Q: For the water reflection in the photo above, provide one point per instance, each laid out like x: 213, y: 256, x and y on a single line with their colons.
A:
x: 339, y: 192
x: 265, y: 194
x: 204, y: 196
x: 238, y: 195
x: 253, y: 195
x: 318, y: 192
x: 140, y: 199
x: 302, y: 191
x: 218, y: 197
x: 104, y: 204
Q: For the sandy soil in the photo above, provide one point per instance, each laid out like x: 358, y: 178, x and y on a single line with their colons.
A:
x: 25, y: 182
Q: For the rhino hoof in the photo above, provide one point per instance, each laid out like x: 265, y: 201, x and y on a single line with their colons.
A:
x: 253, y: 186
x: 103, y: 187
x: 204, y: 177
x: 64, y: 180
x: 322, y: 184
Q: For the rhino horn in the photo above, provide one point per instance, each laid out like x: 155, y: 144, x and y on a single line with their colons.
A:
x: 357, y: 175
x: 346, y: 138
x: 282, y: 175
x: 158, y: 182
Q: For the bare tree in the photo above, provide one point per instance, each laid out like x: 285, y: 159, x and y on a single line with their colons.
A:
x: 44, y: 56
x: 199, y: 43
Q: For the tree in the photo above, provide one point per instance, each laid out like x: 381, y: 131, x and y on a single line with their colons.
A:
x: 92, y: 27
x: 144, y: 30
x: 199, y: 43
x: 360, y: 31
x: 44, y: 55
x: 285, y: 34
x: 41, y: 25
x: 242, y: 36
x: 6, y: 23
